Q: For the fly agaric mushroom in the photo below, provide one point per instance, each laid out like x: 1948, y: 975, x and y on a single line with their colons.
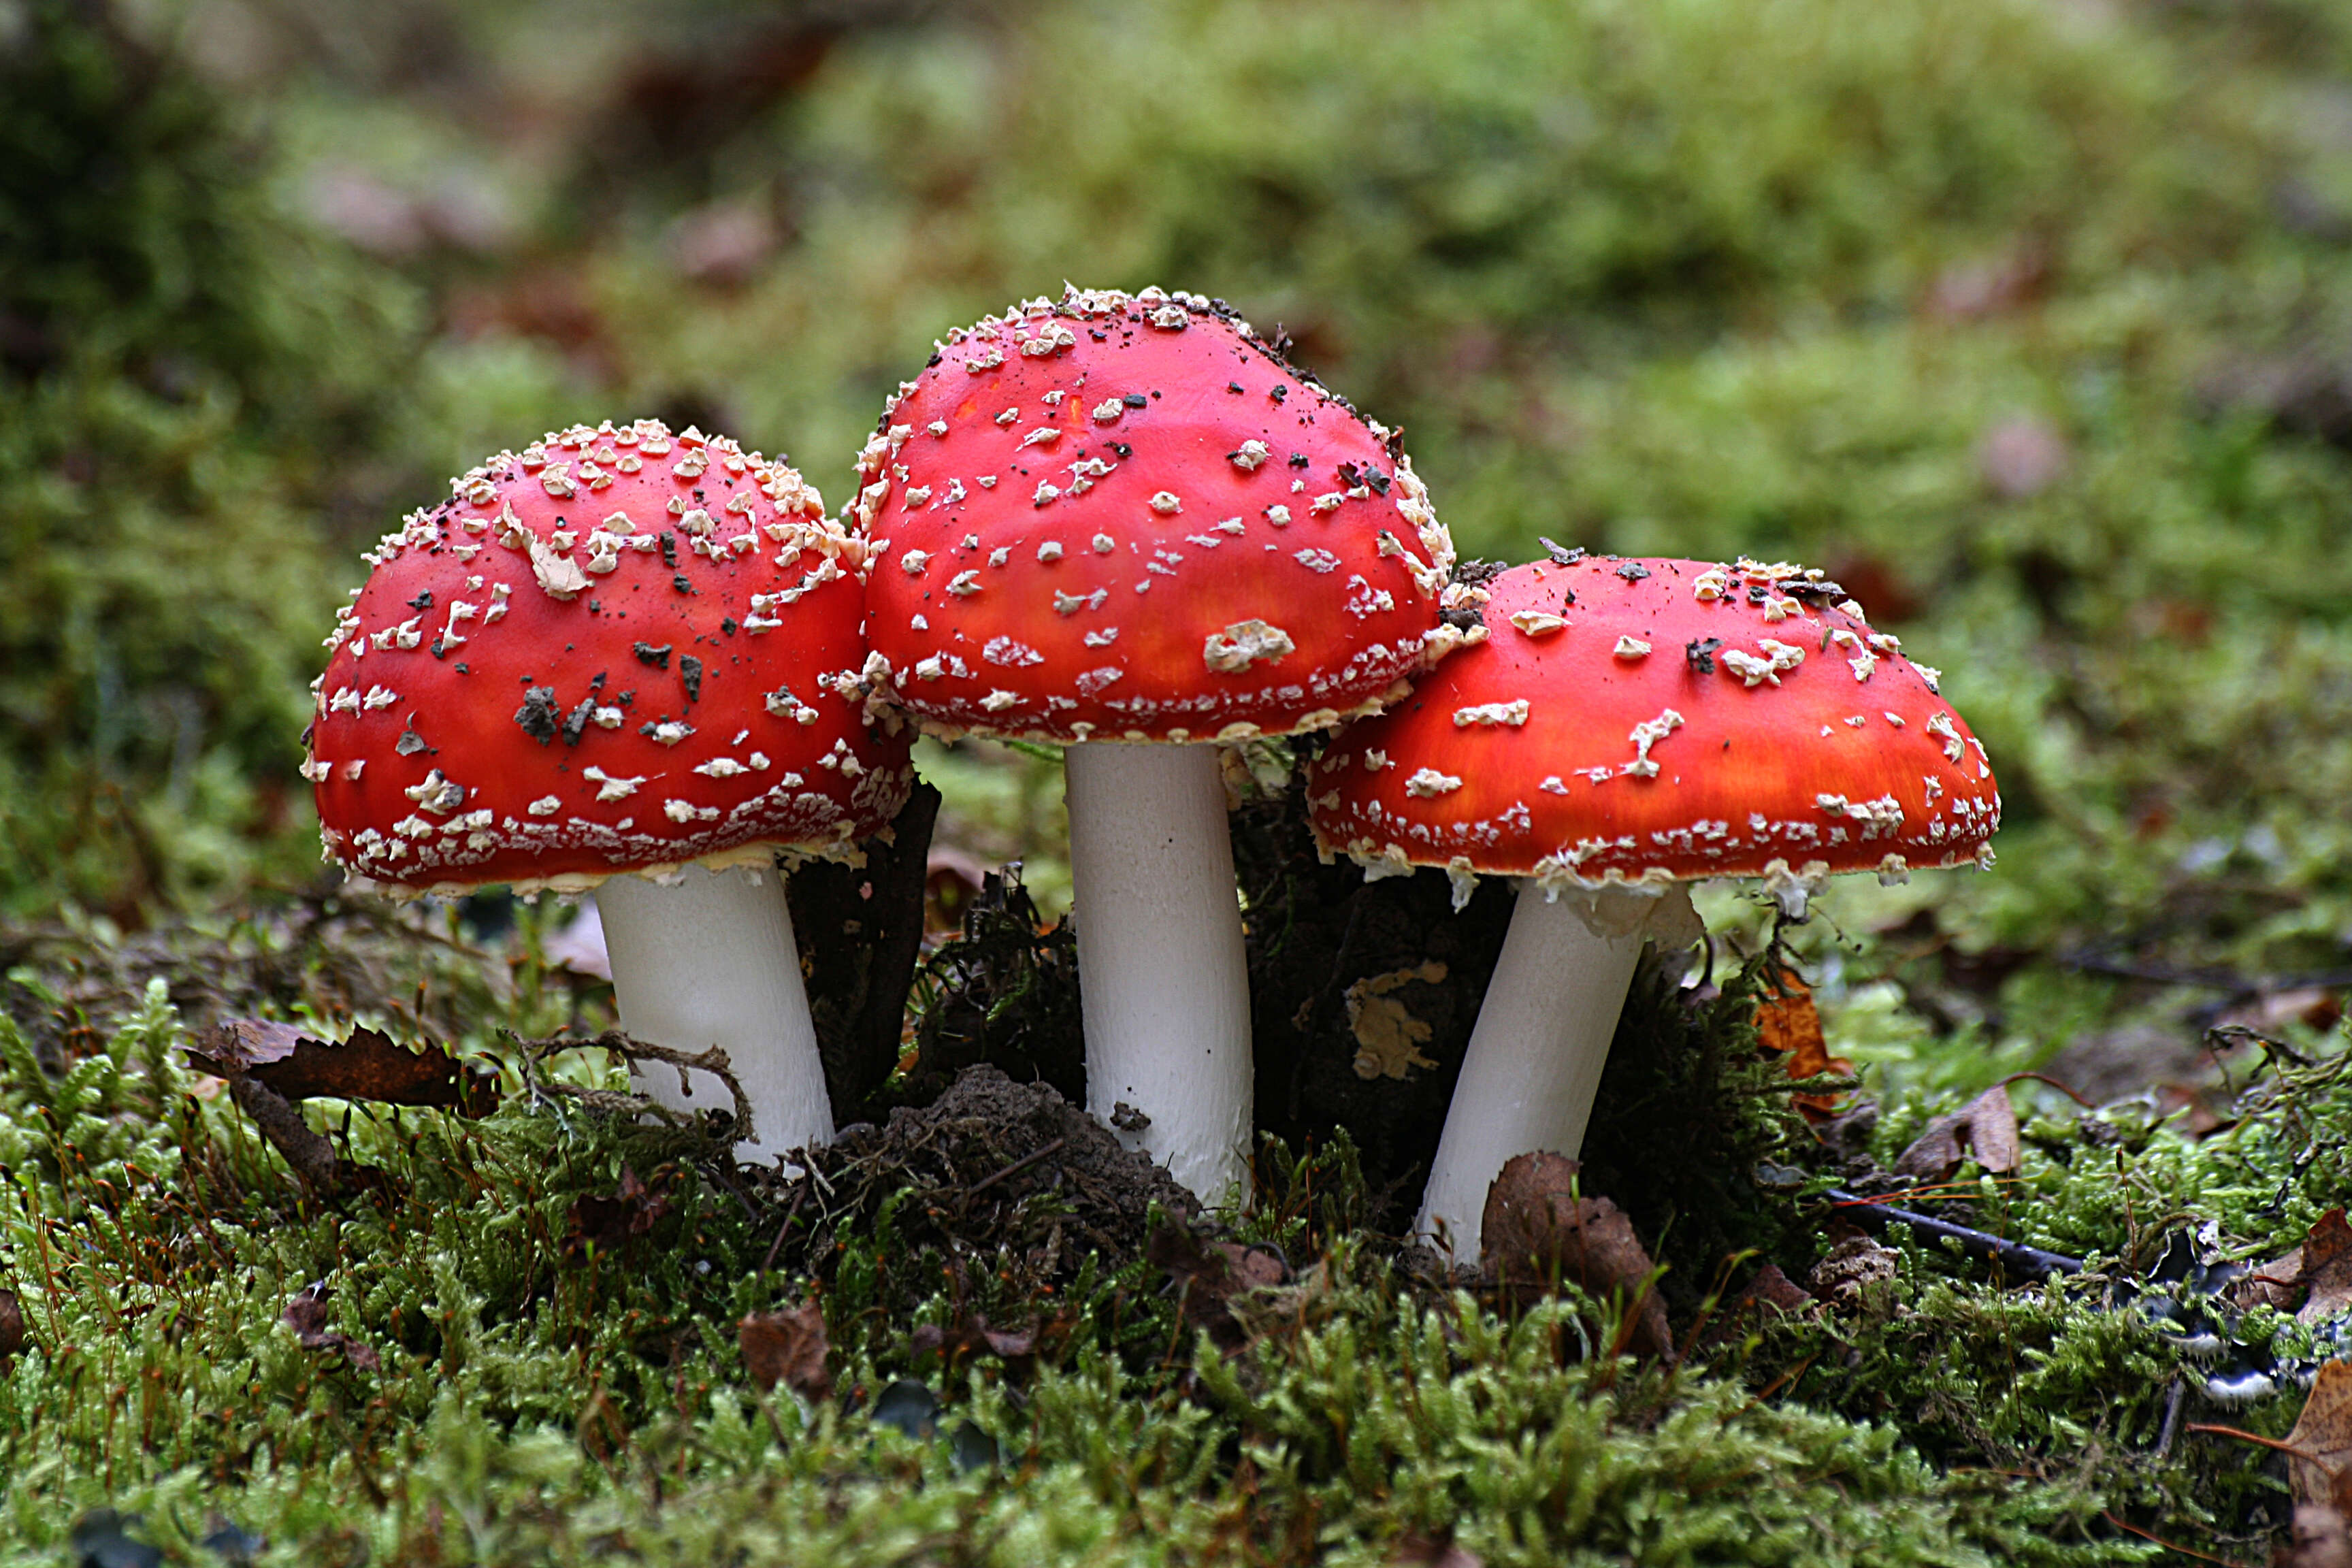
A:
x: 621, y: 660
x: 1632, y: 725
x: 1116, y: 522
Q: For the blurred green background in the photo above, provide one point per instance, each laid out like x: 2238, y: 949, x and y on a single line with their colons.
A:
x: 2031, y: 320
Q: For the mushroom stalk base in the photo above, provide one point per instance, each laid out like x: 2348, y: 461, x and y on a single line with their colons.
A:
x: 1534, y: 1059
x: 1163, y: 979
x: 711, y: 962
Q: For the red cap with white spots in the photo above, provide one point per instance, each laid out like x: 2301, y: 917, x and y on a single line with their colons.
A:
x: 616, y: 650
x: 1648, y: 721
x: 1123, y: 517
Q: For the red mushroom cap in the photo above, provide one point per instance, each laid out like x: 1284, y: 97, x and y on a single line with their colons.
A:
x: 1647, y: 722
x: 619, y: 650
x: 1124, y: 517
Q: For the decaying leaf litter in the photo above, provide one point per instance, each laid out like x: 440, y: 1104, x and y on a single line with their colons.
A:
x: 2067, y: 425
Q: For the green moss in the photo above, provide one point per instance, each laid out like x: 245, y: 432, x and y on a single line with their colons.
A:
x: 183, y: 368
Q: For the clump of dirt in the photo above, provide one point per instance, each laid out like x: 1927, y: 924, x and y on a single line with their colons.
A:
x: 996, y: 1169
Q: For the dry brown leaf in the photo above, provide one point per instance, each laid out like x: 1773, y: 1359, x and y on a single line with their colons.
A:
x: 368, y: 1066
x: 1773, y: 1290
x: 1421, y: 1552
x: 2321, y: 1469
x: 1985, y: 1128
x: 1790, y: 1025
x: 1209, y: 1276
x: 2320, y: 1539
x: 306, y: 1315
x: 789, y: 1348
x: 2326, y: 1269
x: 608, y: 1223
x: 972, y: 1336
x: 2278, y: 1283
x: 1537, y: 1230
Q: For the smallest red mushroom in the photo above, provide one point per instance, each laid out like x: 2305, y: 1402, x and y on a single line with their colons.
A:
x: 623, y: 658
x: 1631, y: 725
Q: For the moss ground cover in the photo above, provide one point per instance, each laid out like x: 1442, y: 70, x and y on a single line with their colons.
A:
x: 2027, y: 321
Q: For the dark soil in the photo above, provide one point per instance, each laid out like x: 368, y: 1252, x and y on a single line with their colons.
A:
x: 995, y: 1170
x: 1316, y: 933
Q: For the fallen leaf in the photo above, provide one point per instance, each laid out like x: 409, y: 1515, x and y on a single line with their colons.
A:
x: 2277, y: 1284
x: 2321, y: 1468
x: 789, y: 1348
x: 2326, y: 1258
x: 306, y: 1315
x: 1986, y: 1128
x: 1537, y: 1230
x: 608, y: 1223
x: 2320, y: 1539
x: 1790, y: 1025
x: 971, y: 1335
x: 1773, y: 1290
x: 1209, y: 1276
x: 368, y: 1066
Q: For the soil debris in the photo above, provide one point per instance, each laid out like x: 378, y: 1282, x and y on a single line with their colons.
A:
x: 1849, y: 1272
x: 992, y: 1168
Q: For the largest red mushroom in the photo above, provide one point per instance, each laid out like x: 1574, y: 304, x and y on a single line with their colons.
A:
x: 621, y: 660
x: 1632, y: 725
x: 1121, y: 524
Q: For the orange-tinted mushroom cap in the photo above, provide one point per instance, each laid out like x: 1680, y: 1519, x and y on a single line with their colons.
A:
x: 1653, y: 720
x: 617, y: 650
x: 1125, y: 517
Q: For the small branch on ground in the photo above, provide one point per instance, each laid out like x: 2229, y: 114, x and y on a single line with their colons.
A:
x: 713, y: 1061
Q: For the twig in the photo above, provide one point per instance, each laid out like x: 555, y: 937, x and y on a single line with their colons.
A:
x: 2245, y: 1436
x: 2206, y: 979
x: 713, y: 1061
x: 2030, y: 1261
x: 313, y: 1155
x: 2168, y: 1545
x: 1021, y: 1164
x: 2173, y: 1401
x: 2045, y: 1077
x: 800, y: 1195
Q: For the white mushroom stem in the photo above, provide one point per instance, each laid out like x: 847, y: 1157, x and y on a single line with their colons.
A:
x: 1535, y: 1057
x: 1163, y: 979
x: 710, y: 960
